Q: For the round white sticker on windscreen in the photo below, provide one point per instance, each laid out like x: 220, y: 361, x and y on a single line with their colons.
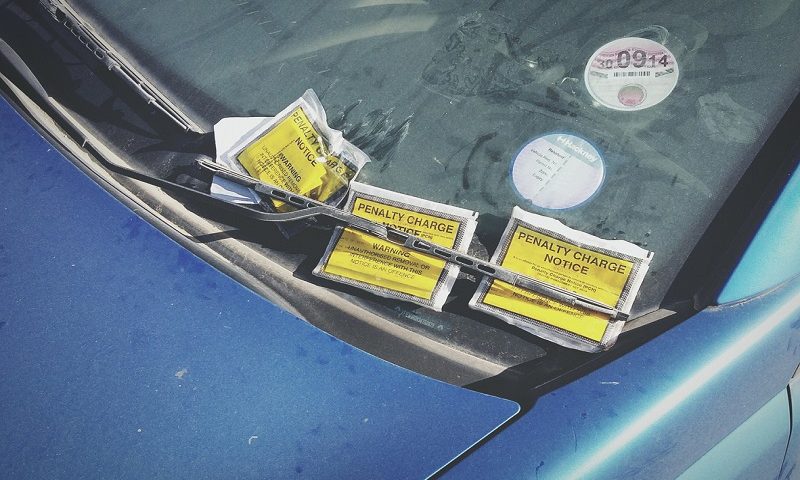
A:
x: 557, y: 171
x: 631, y: 74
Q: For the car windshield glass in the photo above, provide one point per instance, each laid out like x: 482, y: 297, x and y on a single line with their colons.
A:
x: 449, y: 98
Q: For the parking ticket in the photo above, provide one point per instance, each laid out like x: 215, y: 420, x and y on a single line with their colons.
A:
x: 607, y: 271
x: 390, y: 270
x: 297, y: 151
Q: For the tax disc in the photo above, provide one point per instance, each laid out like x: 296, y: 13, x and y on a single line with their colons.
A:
x: 631, y: 74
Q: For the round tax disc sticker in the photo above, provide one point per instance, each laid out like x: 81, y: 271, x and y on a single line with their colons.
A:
x: 631, y: 74
x: 557, y: 171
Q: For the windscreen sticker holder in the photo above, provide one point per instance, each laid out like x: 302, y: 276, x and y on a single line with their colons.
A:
x: 557, y: 171
x: 390, y: 270
x: 608, y: 271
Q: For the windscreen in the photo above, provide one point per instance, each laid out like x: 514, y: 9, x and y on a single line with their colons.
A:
x: 660, y: 105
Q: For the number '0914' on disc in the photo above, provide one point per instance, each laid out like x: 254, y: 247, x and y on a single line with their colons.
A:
x: 631, y: 74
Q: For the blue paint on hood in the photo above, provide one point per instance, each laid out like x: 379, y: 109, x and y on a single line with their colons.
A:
x: 124, y: 355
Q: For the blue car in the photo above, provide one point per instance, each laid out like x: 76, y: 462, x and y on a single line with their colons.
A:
x: 150, y: 330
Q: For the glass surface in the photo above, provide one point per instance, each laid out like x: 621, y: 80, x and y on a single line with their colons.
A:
x: 444, y: 94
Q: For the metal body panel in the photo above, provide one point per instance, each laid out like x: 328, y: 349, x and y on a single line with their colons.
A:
x: 772, y: 256
x: 124, y: 355
x: 792, y: 458
x: 754, y: 450
x: 654, y: 411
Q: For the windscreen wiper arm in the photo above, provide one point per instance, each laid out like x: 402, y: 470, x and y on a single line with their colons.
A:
x: 315, y: 208
x: 309, y: 208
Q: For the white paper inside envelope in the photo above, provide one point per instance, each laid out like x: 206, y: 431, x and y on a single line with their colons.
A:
x: 226, y: 133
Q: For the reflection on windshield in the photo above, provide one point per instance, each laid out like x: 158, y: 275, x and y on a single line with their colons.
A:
x: 444, y: 97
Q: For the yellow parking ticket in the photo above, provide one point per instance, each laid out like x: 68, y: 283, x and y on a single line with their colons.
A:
x: 365, y: 261
x: 607, y: 271
x: 293, y: 155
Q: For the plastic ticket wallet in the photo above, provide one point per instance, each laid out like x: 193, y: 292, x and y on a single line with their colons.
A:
x: 297, y: 151
x: 607, y: 271
x: 390, y: 270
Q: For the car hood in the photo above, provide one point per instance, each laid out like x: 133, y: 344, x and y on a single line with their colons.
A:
x: 125, y: 355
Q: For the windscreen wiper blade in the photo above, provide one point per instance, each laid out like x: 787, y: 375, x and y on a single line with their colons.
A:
x: 315, y: 208
x: 105, y: 53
